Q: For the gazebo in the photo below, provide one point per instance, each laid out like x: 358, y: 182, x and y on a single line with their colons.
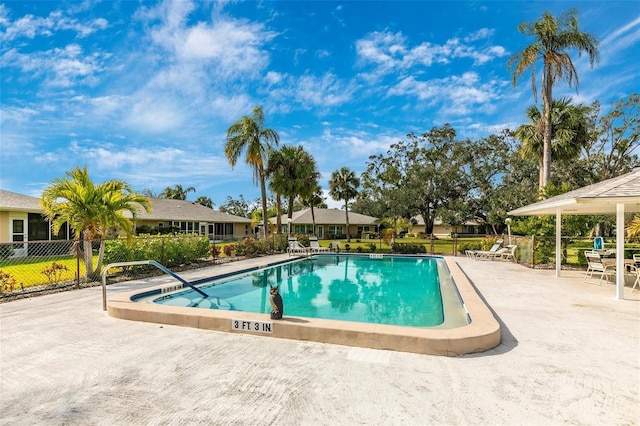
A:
x: 613, y: 196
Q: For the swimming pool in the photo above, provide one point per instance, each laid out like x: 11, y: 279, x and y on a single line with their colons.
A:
x: 394, y: 290
x: 465, y: 331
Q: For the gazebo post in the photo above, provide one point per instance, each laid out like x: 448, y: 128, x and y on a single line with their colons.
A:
x: 620, y: 251
x: 558, y: 242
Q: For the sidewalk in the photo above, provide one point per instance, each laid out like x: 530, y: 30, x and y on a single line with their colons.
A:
x: 570, y: 354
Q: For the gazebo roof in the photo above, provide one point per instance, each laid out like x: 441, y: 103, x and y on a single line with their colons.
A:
x: 599, y: 198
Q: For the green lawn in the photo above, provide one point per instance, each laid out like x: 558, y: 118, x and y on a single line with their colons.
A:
x: 29, y: 272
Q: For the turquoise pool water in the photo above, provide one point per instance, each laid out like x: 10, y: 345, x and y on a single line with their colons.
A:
x: 390, y: 290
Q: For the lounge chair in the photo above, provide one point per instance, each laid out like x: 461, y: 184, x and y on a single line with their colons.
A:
x: 295, y: 247
x: 315, y: 247
x: 491, y: 253
x: 596, y: 265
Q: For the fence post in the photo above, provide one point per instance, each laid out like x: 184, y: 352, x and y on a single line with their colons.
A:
x: 162, y: 250
x: 533, y: 251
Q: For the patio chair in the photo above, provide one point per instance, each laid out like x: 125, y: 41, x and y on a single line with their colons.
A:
x: 596, y: 265
x: 635, y: 270
x: 509, y: 253
x: 296, y: 247
x: 315, y: 247
x: 598, y: 243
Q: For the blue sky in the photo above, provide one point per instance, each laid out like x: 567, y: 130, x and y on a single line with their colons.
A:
x: 145, y: 91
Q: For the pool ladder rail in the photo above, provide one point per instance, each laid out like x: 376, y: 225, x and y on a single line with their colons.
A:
x: 143, y: 262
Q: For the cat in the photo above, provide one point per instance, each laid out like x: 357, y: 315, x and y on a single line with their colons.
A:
x: 276, y: 302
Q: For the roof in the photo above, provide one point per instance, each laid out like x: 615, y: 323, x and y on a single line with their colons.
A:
x: 18, y: 202
x: 170, y: 209
x: 599, y: 198
x: 327, y: 217
x: 162, y: 209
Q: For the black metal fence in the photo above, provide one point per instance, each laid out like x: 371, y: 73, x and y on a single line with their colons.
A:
x: 29, y: 268
x: 540, y: 252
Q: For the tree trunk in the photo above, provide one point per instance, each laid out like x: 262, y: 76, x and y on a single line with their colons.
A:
x: 263, y: 190
x: 346, y: 212
x: 540, y: 173
x: 88, y: 257
x: 313, y: 219
x: 547, y: 83
x: 290, y: 214
x: 279, y: 217
x: 100, y: 257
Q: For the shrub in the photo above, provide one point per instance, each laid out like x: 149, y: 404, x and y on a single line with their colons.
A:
x: 169, y: 251
x: 408, y: 248
x: 462, y: 248
x: 280, y: 242
x: 372, y: 247
x: 488, y: 242
x: 215, y: 251
x: 54, y: 272
x: 229, y: 249
x: 249, y: 247
x: 7, y: 282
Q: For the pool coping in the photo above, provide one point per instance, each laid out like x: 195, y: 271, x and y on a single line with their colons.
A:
x: 481, y: 334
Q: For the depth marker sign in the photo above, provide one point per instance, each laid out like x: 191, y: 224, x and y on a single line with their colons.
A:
x: 256, y: 326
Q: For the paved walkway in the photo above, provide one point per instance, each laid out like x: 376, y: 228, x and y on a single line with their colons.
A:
x: 570, y: 354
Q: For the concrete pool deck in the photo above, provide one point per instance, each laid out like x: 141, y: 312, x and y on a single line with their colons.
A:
x: 570, y: 353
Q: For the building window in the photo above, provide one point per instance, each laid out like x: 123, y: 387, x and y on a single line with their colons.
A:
x: 303, y: 229
x: 224, y: 229
x: 38, y: 227
x: 334, y: 230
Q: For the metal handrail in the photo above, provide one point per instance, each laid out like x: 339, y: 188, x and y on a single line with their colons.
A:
x: 142, y: 262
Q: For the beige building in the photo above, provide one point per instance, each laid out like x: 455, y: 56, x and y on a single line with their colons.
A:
x: 191, y: 217
x: 21, y: 220
x: 330, y: 223
x: 441, y: 230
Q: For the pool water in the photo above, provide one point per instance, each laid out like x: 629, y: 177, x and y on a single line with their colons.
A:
x: 392, y: 290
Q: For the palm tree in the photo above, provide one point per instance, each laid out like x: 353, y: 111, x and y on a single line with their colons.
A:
x: 393, y: 226
x: 90, y: 210
x: 177, y: 192
x: 633, y: 228
x: 315, y: 199
x: 292, y: 170
x: 249, y: 134
x: 553, y: 36
x: 343, y: 185
x: 205, y: 201
x: 569, y: 132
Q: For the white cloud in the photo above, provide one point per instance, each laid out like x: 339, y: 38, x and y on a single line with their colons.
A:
x: 227, y: 47
x: 322, y: 92
x: 155, y: 116
x: 391, y: 51
x: 482, y: 33
x: 456, y: 95
x: 31, y: 26
x: 60, y: 67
